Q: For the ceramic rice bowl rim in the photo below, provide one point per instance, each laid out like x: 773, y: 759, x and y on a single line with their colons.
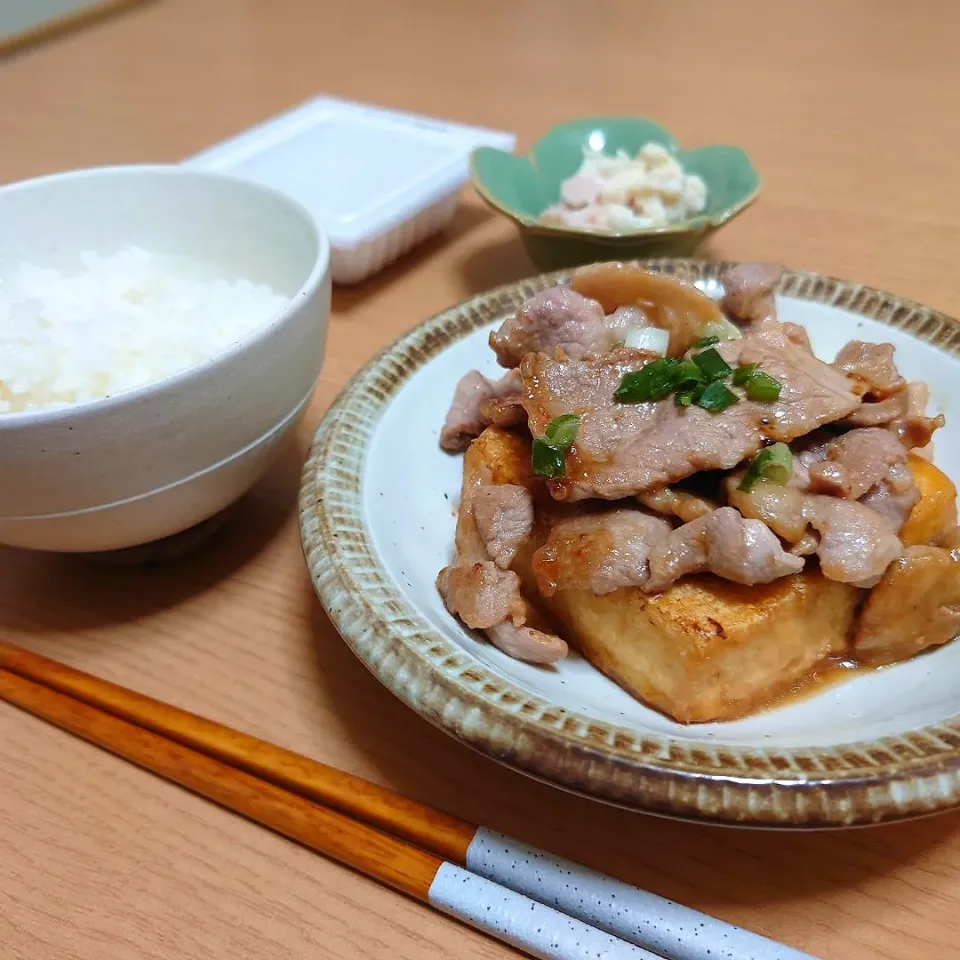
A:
x: 887, y: 779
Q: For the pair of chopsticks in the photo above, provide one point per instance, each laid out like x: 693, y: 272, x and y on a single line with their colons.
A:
x: 543, y: 905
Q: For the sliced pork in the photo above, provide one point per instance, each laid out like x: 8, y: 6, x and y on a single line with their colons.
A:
x: 523, y: 642
x: 504, y: 516
x: 475, y: 589
x: 914, y: 428
x: 750, y: 292
x: 481, y: 594
x: 503, y: 412
x: 599, y: 552
x: 723, y: 543
x: 903, y: 413
x: 478, y: 402
x: 855, y: 543
x: 856, y: 462
x: 555, y: 318
x: 625, y: 449
x: 781, y: 508
x: 870, y: 366
x: 796, y: 334
x: 878, y: 413
x: 894, y: 497
x: 916, y: 432
x: 676, y: 502
x: 915, y: 606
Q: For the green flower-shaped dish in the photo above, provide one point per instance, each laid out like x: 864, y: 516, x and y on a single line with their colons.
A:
x: 523, y: 187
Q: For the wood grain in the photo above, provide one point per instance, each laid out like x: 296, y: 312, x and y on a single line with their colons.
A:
x: 847, y: 108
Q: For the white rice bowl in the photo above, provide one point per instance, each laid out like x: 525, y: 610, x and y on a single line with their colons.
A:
x: 121, y: 321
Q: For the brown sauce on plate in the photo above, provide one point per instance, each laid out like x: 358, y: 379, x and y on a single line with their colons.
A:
x: 828, y: 673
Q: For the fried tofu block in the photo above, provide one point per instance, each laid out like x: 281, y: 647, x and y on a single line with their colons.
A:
x: 706, y: 649
x: 505, y: 454
x: 915, y: 606
x: 935, y: 515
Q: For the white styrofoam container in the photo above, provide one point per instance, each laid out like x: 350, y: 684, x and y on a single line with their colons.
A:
x: 378, y: 180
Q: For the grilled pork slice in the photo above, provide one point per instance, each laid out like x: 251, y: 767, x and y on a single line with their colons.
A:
x: 888, y: 400
x: 895, y: 496
x: 916, y: 503
x: 604, y: 550
x: 750, y: 292
x: 678, y: 502
x: 555, y: 318
x: 626, y: 449
x: 492, y: 524
x: 854, y: 543
x: 871, y: 367
x: 600, y: 551
x: 915, y: 606
x: 750, y: 299
x: 478, y: 402
x: 724, y: 543
x: 856, y: 462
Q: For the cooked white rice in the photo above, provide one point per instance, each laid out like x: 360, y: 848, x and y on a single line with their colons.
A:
x: 121, y: 321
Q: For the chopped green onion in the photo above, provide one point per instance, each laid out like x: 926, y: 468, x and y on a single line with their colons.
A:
x: 705, y: 342
x: 684, y: 398
x: 773, y: 463
x: 662, y: 378
x: 562, y: 431
x: 652, y: 382
x: 743, y: 373
x: 634, y: 387
x: 717, y: 397
x: 549, y: 456
x: 687, y: 375
x: 548, y: 461
x: 761, y: 386
x: 712, y: 364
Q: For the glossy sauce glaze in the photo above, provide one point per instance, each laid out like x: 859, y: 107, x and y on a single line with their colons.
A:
x: 826, y: 674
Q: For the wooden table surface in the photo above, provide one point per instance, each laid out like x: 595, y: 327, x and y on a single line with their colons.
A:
x: 849, y: 111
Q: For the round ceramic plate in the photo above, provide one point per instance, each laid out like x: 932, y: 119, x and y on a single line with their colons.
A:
x: 377, y: 522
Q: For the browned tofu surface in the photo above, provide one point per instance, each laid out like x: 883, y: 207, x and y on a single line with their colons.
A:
x: 915, y: 606
x: 708, y: 649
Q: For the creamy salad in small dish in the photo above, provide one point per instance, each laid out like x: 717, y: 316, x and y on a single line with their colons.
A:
x: 620, y: 193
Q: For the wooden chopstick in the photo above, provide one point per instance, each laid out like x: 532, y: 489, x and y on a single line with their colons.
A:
x: 519, y: 921
x: 391, y: 861
x: 654, y: 923
x: 447, y: 836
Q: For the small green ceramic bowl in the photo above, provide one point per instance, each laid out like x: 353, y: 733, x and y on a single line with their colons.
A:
x: 523, y: 187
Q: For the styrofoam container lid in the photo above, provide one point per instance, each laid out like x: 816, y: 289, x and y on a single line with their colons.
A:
x: 361, y: 170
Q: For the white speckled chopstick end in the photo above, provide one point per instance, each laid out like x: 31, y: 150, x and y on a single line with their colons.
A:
x: 524, y: 923
x: 667, y: 928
